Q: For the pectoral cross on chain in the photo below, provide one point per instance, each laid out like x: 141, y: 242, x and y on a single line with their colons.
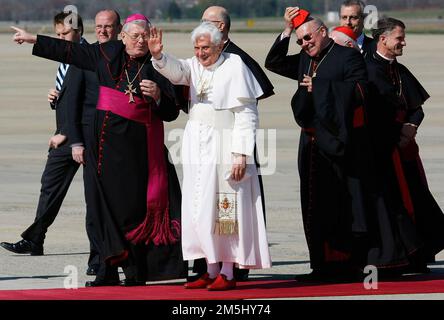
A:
x: 130, y: 90
x: 201, y: 96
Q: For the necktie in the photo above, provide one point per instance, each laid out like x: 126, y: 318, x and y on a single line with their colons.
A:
x: 61, y: 72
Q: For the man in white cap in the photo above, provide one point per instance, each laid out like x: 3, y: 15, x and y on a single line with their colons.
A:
x: 222, y: 220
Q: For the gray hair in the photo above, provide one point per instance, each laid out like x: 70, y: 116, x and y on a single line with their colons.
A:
x: 318, y: 22
x: 207, y: 28
x: 343, y: 38
x: 141, y: 23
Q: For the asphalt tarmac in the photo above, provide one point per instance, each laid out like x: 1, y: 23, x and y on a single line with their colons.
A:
x: 27, y: 122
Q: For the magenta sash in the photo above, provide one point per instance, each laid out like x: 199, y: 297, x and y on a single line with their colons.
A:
x: 157, y: 226
x: 118, y: 103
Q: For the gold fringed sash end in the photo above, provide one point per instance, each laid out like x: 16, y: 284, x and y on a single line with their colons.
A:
x: 226, y: 227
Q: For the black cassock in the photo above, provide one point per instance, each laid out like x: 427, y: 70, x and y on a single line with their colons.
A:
x: 334, y: 151
x: 412, y: 231
x: 120, y: 158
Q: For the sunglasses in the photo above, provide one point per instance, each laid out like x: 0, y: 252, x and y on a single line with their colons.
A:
x: 307, y: 37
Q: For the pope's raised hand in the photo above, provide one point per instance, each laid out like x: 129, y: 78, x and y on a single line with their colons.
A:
x: 21, y: 36
x: 155, y: 43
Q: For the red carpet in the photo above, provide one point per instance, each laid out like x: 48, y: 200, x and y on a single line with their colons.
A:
x: 245, y: 290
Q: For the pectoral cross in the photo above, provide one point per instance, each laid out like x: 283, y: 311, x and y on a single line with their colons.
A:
x: 130, y: 91
x: 201, y: 96
x: 203, y: 88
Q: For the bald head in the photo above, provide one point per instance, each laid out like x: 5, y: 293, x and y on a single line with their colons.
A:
x: 107, y: 25
x: 220, y: 17
x: 343, y: 40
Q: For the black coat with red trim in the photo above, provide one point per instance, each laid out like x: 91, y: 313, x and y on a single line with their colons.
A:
x: 121, y: 159
x: 395, y: 98
x: 334, y: 148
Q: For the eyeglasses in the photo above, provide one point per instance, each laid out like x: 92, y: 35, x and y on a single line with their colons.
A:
x: 106, y: 27
x: 136, y: 37
x: 307, y: 37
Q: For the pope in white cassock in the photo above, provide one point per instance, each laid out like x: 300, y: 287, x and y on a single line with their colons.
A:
x: 222, y: 218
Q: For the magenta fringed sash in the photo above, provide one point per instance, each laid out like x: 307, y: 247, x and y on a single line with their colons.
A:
x: 157, y: 226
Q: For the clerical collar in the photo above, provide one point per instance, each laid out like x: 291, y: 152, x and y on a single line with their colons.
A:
x: 226, y: 43
x: 138, y: 59
x: 390, y: 61
x: 324, y: 51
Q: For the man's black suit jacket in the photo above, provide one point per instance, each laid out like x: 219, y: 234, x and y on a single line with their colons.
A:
x: 82, y: 96
x: 368, y: 46
x: 76, y: 104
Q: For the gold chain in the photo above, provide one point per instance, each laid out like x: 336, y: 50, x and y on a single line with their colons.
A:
x: 317, y: 67
x: 140, y: 69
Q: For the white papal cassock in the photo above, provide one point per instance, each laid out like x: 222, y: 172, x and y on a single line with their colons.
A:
x: 223, y: 119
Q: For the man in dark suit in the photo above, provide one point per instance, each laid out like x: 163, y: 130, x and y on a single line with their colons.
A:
x: 220, y: 17
x: 60, y: 167
x: 327, y: 109
x: 73, y: 100
x: 352, y: 15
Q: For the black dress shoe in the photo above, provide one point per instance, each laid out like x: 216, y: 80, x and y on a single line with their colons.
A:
x: 101, y: 283
x: 195, y: 277
x: 241, y: 277
x: 131, y: 283
x: 92, y: 270
x: 241, y: 274
x: 24, y: 247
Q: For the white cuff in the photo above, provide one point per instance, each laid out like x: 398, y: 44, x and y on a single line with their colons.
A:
x: 159, y: 63
x: 283, y: 36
